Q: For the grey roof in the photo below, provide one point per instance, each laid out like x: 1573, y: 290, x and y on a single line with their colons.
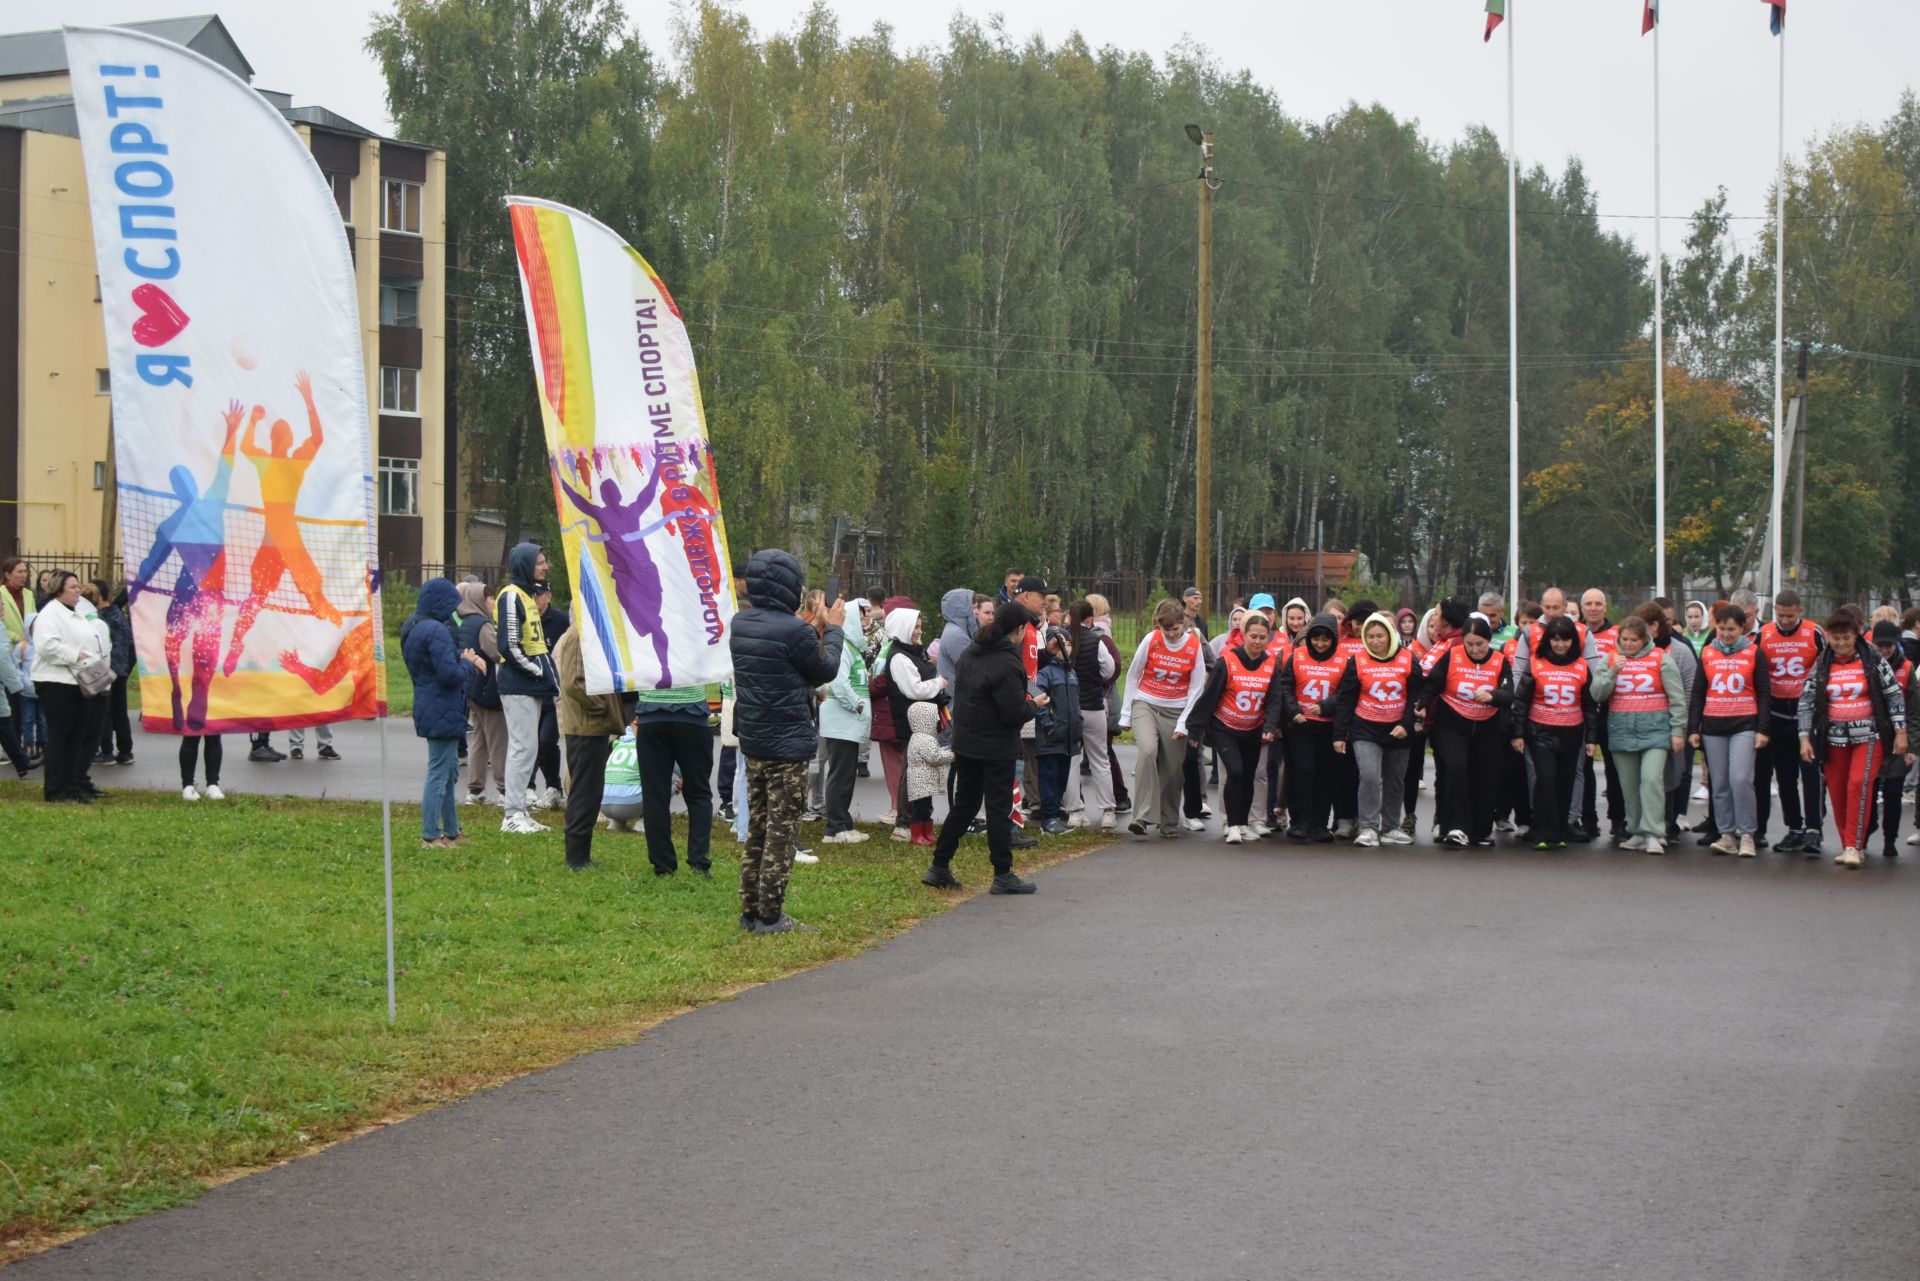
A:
x: 41, y: 115
x: 321, y: 118
x: 41, y: 53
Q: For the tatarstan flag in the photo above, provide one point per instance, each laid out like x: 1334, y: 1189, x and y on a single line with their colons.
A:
x: 1777, y: 18
x: 1496, y: 14
x: 1650, y: 16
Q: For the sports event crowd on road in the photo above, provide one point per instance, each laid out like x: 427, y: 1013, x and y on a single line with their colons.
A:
x: 1318, y: 724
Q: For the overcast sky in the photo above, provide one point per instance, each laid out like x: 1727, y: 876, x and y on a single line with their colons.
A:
x: 1584, y: 85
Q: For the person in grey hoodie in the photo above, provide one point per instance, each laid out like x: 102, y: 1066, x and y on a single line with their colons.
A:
x: 959, y: 609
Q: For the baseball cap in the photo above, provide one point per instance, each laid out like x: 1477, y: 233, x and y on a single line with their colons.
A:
x: 1191, y: 591
x: 1886, y: 633
x: 1262, y: 600
x: 1033, y: 583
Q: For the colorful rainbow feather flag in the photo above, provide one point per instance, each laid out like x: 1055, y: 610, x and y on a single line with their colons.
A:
x: 627, y: 448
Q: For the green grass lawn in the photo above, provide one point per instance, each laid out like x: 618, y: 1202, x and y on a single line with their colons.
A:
x: 185, y: 991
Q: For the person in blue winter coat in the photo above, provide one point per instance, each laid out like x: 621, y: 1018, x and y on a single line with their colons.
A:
x: 1056, y: 730
x: 439, y: 671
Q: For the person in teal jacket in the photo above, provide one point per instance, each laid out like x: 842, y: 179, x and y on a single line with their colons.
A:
x: 845, y: 718
x: 1646, y: 710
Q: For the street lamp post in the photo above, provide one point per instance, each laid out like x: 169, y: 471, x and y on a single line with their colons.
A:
x: 1203, y: 409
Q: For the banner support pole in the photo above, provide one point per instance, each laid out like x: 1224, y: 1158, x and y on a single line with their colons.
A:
x: 386, y: 831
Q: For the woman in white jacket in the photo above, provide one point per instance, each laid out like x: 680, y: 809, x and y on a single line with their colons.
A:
x: 64, y: 642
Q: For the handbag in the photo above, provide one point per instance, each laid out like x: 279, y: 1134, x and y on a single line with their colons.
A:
x: 95, y: 677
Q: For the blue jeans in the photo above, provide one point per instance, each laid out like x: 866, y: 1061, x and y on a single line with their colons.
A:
x: 32, y: 730
x: 1053, y: 784
x: 439, y: 816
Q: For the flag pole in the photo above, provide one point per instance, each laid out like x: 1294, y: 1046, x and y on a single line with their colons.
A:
x: 1779, y: 319
x: 1513, y: 342
x: 1659, y: 350
x: 386, y: 826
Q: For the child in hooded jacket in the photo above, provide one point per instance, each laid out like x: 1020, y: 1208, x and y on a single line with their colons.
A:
x: 1056, y: 730
x: 926, y: 769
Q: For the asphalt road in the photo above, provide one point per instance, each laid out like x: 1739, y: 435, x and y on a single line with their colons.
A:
x: 1185, y: 1060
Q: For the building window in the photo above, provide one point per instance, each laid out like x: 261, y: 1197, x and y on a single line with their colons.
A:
x: 99, y: 475
x: 400, y: 305
x: 399, y: 486
x: 400, y: 206
x: 102, y: 383
x: 342, y: 184
x: 399, y: 390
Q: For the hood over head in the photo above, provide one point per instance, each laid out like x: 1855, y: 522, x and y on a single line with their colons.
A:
x: 1323, y: 622
x: 774, y: 580
x: 923, y: 718
x: 1382, y: 618
x: 900, y: 624
x: 956, y: 607
x: 438, y: 596
x: 520, y: 563
x: 473, y: 598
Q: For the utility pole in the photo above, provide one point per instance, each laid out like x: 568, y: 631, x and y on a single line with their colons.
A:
x: 1797, y: 415
x: 1203, y: 443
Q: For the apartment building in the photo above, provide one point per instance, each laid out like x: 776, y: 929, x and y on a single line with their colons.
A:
x: 55, y: 410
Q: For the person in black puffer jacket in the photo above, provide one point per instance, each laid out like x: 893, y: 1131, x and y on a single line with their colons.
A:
x: 988, y: 710
x: 778, y: 660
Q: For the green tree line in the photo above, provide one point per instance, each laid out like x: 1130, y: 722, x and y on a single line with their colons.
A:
x: 949, y: 294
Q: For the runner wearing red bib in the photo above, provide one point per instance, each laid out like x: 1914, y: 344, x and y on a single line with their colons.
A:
x: 1374, y: 718
x: 1469, y: 688
x: 1165, y: 677
x: 1550, y: 712
x: 1729, y: 718
x: 1853, y: 716
x: 1789, y: 647
x: 1305, y: 707
x: 1231, y: 714
x: 1893, y: 774
x: 1646, y: 723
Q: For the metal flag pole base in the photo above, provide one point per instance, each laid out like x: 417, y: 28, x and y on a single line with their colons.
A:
x: 386, y: 833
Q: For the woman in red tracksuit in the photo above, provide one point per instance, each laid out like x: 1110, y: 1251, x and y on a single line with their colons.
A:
x: 1852, y: 715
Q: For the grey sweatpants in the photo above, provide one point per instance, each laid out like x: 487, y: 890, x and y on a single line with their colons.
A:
x: 1383, y: 783
x: 1158, y: 759
x: 1730, y: 774
x: 523, y: 746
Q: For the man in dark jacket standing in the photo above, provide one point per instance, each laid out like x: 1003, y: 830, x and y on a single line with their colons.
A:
x: 988, y: 712
x: 778, y: 660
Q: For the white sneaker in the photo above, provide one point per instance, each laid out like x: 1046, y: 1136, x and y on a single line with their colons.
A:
x: 1107, y: 820
x: 801, y: 856
x: 1367, y: 837
x: 1195, y: 824
x: 1654, y: 845
x: 1206, y: 810
x: 188, y: 794
x: 554, y: 799
x: 1260, y: 830
x: 1747, y: 849
x: 521, y: 825
x: 614, y: 824
x: 1395, y: 836
x: 888, y: 819
x: 1914, y: 839
x: 1634, y: 843
x: 852, y: 836
x: 1849, y: 857
x: 1503, y: 826
x: 902, y: 834
x: 1456, y: 838
x: 1234, y: 837
x: 1700, y: 792
x: 1727, y: 844
x: 1344, y: 831
x: 213, y: 792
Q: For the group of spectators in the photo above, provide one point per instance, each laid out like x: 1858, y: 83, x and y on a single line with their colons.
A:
x: 64, y: 669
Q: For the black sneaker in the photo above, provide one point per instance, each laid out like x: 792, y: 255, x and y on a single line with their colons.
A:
x: 1296, y: 833
x: 1138, y: 827
x: 1320, y: 836
x: 1706, y: 838
x: 1759, y: 840
x: 125, y: 758
x: 1021, y: 841
x: 588, y: 866
x: 977, y: 828
x: 1809, y: 845
x: 939, y: 877
x: 296, y: 753
x: 1008, y: 883
x: 860, y: 771
x: 265, y: 755
x: 1792, y: 843
x: 1123, y: 806
x: 327, y: 753
x: 1056, y: 827
x: 726, y: 813
x: 1582, y: 835
x: 784, y: 925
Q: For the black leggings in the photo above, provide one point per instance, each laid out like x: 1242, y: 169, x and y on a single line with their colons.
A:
x: 1240, y: 753
x: 1416, y: 767
x: 1310, y: 776
x: 1556, y: 768
x: 1780, y: 761
x: 1476, y: 757
x: 190, y: 755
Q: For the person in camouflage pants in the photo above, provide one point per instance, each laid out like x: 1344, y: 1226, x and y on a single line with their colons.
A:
x: 776, y: 794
